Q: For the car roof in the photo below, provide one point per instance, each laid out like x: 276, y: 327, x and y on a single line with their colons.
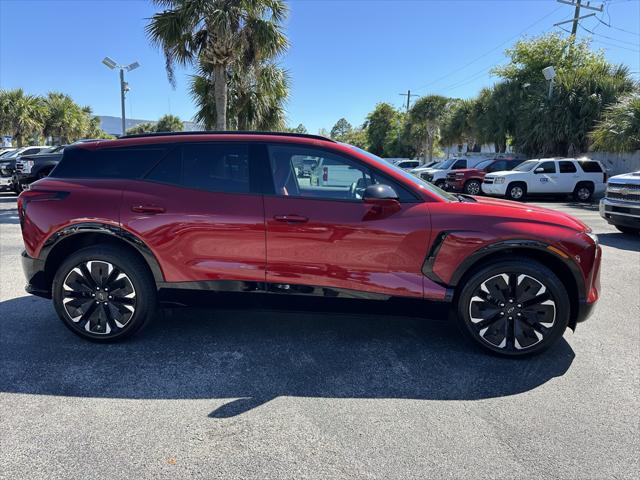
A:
x: 181, y: 137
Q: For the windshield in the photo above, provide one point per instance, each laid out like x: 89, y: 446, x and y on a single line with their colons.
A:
x: 526, y: 166
x: 484, y: 164
x: 6, y: 154
x: 13, y: 154
x: 417, y: 182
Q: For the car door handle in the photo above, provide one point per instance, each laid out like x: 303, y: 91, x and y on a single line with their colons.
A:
x: 291, y: 218
x: 147, y: 209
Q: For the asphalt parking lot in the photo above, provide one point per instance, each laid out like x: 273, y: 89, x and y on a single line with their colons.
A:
x: 318, y: 391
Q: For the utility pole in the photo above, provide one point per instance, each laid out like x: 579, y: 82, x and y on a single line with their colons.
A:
x: 576, y: 15
x: 408, y: 95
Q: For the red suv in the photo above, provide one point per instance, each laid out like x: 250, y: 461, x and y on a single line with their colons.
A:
x: 120, y: 225
x: 469, y: 180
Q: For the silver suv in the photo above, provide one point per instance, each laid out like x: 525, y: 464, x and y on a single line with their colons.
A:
x: 621, y: 204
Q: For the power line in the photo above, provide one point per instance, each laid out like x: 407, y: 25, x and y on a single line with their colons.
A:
x: 488, y: 52
x: 596, y: 40
x: 618, y: 28
x: 408, y: 95
x: 634, y: 44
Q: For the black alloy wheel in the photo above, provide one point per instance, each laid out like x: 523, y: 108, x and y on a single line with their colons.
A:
x: 514, y: 308
x: 104, y: 293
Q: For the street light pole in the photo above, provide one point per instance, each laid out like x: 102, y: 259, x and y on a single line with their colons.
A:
x: 124, y: 86
x: 122, y: 90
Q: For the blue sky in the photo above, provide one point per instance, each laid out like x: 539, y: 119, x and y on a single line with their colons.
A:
x: 345, y: 55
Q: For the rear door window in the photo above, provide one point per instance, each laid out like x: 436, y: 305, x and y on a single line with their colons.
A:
x: 498, y: 166
x: 567, y: 167
x: 216, y: 167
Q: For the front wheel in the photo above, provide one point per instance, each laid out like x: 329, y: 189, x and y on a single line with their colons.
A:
x: 516, y: 191
x: 472, y: 187
x: 104, y: 293
x: 513, y: 307
x: 440, y: 184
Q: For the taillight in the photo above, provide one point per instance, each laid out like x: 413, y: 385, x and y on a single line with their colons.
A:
x: 605, y: 177
x: 325, y: 174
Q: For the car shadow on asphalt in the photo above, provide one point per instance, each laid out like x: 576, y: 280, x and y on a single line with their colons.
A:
x: 622, y: 241
x: 8, y: 198
x: 9, y: 216
x: 248, y: 355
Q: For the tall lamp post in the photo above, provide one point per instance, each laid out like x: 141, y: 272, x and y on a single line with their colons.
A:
x: 124, y: 86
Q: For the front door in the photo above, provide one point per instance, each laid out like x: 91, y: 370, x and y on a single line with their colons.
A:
x: 200, y: 210
x: 545, y: 180
x: 320, y: 233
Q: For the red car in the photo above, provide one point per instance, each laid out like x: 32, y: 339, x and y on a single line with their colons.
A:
x: 469, y: 180
x: 121, y: 224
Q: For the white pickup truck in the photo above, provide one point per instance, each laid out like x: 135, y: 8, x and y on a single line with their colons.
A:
x: 621, y: 203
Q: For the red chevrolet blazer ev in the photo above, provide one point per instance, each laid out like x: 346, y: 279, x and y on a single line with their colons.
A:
x: 120, y: 224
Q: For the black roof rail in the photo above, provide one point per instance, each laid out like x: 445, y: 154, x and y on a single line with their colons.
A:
x: 227, y: 132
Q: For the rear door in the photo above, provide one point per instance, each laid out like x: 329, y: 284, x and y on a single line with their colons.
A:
x: 568, y: 176
x: 200, y: 210
x: 321, y: 234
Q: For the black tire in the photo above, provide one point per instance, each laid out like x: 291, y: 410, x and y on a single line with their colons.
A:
x: 17, y: 189
x: 516, y: 191
x: 82, y: 300
x: 583, y: 192
x: 440, y: 184
x: 628, y: 230
x: 473, y: 187
x: 520, y: 318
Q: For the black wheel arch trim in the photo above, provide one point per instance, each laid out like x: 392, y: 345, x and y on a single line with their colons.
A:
x: 105, y: 229
x: 504, y: 245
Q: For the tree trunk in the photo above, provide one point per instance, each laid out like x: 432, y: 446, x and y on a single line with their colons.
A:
x: 220, y: 92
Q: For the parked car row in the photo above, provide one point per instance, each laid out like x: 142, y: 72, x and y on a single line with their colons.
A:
x: 8, y: 161
x: 22, y: 166
x: 516, y: 179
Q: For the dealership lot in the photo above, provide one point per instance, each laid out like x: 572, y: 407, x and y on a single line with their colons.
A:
x: 318, y: 391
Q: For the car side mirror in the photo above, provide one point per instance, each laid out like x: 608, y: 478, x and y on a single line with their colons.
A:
x: 380, y: 194
x: 539, y: 170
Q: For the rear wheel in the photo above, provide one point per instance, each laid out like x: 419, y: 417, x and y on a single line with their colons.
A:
x: 104, y: 293
x: 513, y: 307
x: 472, y: 187
x: 516, y: 191
x: 583, y: 192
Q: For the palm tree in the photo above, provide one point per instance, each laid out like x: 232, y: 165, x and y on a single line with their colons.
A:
x: 65, y: 119
x: 256, y: 95
x: 219, y: 35
x: 21, y: 115
x: 169, y: 123
x: 619, y: 129
x: 425, y: 118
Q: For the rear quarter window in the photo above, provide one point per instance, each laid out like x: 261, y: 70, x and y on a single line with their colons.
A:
x: 126, y: 163
x: 590, y: 166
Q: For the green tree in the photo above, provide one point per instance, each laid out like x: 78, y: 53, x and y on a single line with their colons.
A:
x: 357, y: 137
x: 341, y: 129
x: 21, y: 116
x: 256, y: 97
x: 379, y: 125
x: 585, y: 85
x: 458, y: 125
x: 299, y: 129
x: 619, y: 129
x: 144, y: 127
x: 222, y: 37
x: 65, y: 121
x: 169, y: 123
x: 425, y: 118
